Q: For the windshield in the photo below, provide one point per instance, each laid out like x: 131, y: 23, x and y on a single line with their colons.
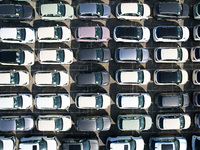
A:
x: 17, y: 102
x: 142, y: 123
x: 20, y: 124
x: 100, y: 9
x: 179, y: 9
x: 140, y: 10
x: 61, y: 9
x: 19, y: 10
x: 99, y: 124
x: 179, y: 54
x: 58, y: 124
x: 42, y: 145
x: 141, y: 101
x: 57, y: 102
x: 180, y: 32
x: 139, y: 55
x: 98, y: 32
x: 98, y: 78
x: 55, y: 78
x: 14, y: 78
x: 60, y: 55
x: 140, y: 77
x: 57, y: 32
x: 180, y: 100
x: 99, y: 56
x: 20, y: 57
x: 179, y: 77
x: 21, y: 33
x: 99, y: 101
x: 182, y: 122
x: 86, y: 145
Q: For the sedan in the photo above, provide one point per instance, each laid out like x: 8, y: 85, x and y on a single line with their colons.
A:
x: 15, y: 101
x: 196, y: 99
x: 53, y: 34
x: 196, y: 11
x: 132, y: 77
x: 94, y: 55
x: 175, y: 121
x: 93, y: 123
x: 80, y: 144
x: 52, y: 101
x: 56, y: 11
x: 196, y: 33
x: 195, y: 54
x: 8, y: 143
x: 16, y: 123
x: 196, y: 77
x: 133, y: 100
x: 14, y: 78
x: 16, y: 57
x: 123, y: 142
x: 171, y: 34
x: 55, y: 56
x: 51, y: 78
x: 53, y: 123
x: 170, y: 77
x: 170, y: 100
x: 195, y: 142
x: 132, y: 11
x: 92, y: 101
x: 93, y: 11
x: 92, y: 34
x: 135, y: 34
x: 93, y: 78
x: 170, y: 143
x: 131, y: 55
x: 170, y: 55
x: 134, y: 122
x: 17, y: 35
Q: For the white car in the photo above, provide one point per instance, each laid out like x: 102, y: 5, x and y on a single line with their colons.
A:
x: 14, y: 78
x: 51, y: 78
x: 170, y: 55
x: 52, y: 101
x: 17, y: 35
x: 92, y: 101
x: 38, y: 143
x: 132, y: 77
x: 132, y: 11
x: 195, y: 54
x: 125, y: 143
x: 196, y: 33
x: 171, y: 34
x: 55, y: 56
x: 133, y: 100
x: 15, y: 101
x: 134, y: 34
x: 54, y: 34
x: 53, y: 123
x: 8, y: 143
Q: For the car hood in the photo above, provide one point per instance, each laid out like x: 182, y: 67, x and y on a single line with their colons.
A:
x: 87, y: 54
x: 147, y: 10
x: 185, y: 10
x: 184, y: 76
x: 64, y: 78
x: 30, y: 35
x: 67, y: 123
x: 94, y: 144
x: 146, y: 34
x: 23, y: 78
x: 145, y: 55
x: 69, y: 11
x: 187, y: 121
x: 107, y: 10
x: 106, y: 33
x: 86, y: 78
x: 28, y: 12
x: 184, y: 54
x: 106, y: 54
x: 106, y: 123
x: 27, y: 101
x: 65, y: 101
x: 185, y: 100
x: 139, y: 143
x: 106, y: 101
x: 147, y: 77
x: 105, y: 78
x: 186, y: 33
x: 66, y: 33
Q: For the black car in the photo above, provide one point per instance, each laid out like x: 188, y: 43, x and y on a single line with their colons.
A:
x: 94, y: 55
x: 171, y: 10
x: 16, y: 12
x: 93, y: 78
x: 93, y: 123
x: 80, y: 144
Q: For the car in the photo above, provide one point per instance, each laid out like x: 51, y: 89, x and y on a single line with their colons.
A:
x: 52, y: 101
x: 94, y: 55
x: 170, y: 55
x: 169, y: 142
x: 196, y: 33
x: 133, y: 100
x: 171, y: 34
x: 15, y: 101
x: 53, y: 34
x: 16, y: 12
x: 124, y: 143
x: 16, y: 57
x: 195, y: 142
x: 134, y: 122
x: 8, y: 143
x: 80, y: 144
x: 131, y: 55
x: 93, y: 123
x: 17, y: 35
x: 51, y: 78
x: 93, y: 78
x: 196, y: 99
x: 195, y: 54
x: 135, y: 34
x: 132, y: 77
x: 93, y: 11
x: 55, y: 56
x: 56, y: 11
x: 171, y: 100
x: 173, y: 121
x: 132, y: 11
x: 92, y: 34
x: 196, y: 11
x: 196, y: 76
x: 197, y: 120
x: 14, y: 78
x: 53, y: 123
x: 16, y: 123
x: 92, y: 100
x: 171, y: 10
x: 170, y: 76
x: 38, y: 142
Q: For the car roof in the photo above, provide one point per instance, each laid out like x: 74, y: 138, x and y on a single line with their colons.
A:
x: 166, y: 77
x: 87, y: 54
x: 167, y: 31
x: 169, y: 54
x: 49, y: 9
x: 164, y: 8
x: 130, y: 124
x: 86, y: 78
x: 86, y: 32
x: 170, y: 100
x: 86, y: 8
x: 129, y: 8
x: 86, y: 101
x: 129, y: 76
x: 46, y: 32
x: 127, y: 54
x: 127, y: 31
x: 7, y: 9
x: 8, y: 125
x: 89, y: 125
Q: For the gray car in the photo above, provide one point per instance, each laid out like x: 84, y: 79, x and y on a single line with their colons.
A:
x: 93, y: 78
x: 80, y: 144
x: 93, y: 123
x: 94, y: 55
x: 93, y: 11
x: 131, y: 55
